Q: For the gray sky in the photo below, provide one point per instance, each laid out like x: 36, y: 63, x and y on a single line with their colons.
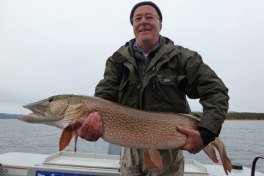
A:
x: 50, y: 47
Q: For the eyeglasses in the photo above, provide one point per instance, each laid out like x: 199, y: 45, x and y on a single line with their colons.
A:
x: 148, y: 17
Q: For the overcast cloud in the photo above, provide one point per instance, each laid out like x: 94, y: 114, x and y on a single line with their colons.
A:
x: 50, y: 47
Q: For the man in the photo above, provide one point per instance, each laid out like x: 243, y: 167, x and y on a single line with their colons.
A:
x: 151, y: 73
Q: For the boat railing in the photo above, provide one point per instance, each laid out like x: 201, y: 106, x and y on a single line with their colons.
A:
x: 254, y: 164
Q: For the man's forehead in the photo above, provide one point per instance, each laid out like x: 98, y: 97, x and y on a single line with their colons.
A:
x: 145, y: 9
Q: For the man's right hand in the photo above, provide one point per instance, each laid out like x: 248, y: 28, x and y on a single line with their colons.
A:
x: 91, y: 129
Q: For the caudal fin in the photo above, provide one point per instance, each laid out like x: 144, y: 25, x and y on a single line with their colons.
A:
x: 226, y: 162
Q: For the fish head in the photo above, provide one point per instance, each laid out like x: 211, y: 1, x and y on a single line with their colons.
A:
x: 53, y: 109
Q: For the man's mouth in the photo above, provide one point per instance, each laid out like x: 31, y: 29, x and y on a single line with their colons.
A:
x: 144, y: 30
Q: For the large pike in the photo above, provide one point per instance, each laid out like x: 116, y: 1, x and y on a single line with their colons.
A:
x: 123, y: 126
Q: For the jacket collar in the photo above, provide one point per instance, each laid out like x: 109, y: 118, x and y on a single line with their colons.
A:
x: 127, y: 52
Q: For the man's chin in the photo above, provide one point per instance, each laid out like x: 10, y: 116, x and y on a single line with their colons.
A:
x: 144, y: 39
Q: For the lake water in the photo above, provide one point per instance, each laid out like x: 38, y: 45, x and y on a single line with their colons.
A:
x: 244, y: 140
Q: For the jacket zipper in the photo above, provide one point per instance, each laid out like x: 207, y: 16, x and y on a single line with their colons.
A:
x: 163, y: 55
x: 154, y: 80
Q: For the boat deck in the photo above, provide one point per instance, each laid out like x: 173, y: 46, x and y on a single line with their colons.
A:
x: 83, y: 164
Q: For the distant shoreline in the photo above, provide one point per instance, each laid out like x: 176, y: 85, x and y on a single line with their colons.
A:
x: 241, y: 115
x: 230, y: 115
x: 9, y: 116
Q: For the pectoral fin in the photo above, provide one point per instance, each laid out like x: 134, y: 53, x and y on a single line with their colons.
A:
x: 156, y: 157
x: 146, y: 157
x: 66, y: 137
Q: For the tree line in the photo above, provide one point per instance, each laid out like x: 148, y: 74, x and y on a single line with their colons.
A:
x: 241, y: 115
x: 245, y: 116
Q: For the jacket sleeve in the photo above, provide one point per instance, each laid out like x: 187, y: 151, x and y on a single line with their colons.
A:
x: 202, y: 82
x: 107, y: 88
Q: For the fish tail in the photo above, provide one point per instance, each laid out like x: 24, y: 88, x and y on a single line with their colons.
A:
x: 226, y: 162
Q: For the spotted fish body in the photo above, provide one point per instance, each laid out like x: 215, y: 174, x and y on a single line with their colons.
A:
x: 127, y: 126
x: 123, y: 126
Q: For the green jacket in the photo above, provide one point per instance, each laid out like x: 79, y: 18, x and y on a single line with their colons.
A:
x: 173, y: 73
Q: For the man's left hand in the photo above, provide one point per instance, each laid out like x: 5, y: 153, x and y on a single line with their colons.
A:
x: 194, y: 142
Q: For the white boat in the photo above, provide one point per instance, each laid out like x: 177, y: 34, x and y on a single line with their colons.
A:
x: 84, y: 164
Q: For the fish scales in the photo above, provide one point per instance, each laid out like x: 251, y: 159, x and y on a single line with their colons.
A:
x: 139, y: 129
x: 124, y: 126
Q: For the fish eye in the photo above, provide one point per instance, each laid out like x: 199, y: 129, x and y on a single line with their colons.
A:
x: 50, y: 100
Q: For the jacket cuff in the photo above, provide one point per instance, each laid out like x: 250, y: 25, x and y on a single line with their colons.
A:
x: 207, y: 136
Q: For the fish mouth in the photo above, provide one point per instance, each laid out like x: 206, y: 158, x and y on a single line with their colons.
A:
x: 36, y: 111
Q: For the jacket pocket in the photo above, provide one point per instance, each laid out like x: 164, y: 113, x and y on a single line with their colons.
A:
x: 169, y: 97
x: 167, y: 80
x: 178, y: 81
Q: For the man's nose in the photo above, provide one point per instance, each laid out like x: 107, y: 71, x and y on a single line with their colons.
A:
x: 143, y: 21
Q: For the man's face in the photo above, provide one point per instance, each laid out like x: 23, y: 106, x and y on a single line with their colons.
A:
x: 146, y: 29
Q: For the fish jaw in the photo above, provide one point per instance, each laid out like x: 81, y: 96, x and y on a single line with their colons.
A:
x: 52, y: 106
x: 41, y: 112
x: 46, y: 111
x: 34, y: 118
x: 57, y: 111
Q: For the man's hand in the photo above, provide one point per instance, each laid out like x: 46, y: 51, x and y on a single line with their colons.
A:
x: 91, y: 129
x: 194, y: 142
